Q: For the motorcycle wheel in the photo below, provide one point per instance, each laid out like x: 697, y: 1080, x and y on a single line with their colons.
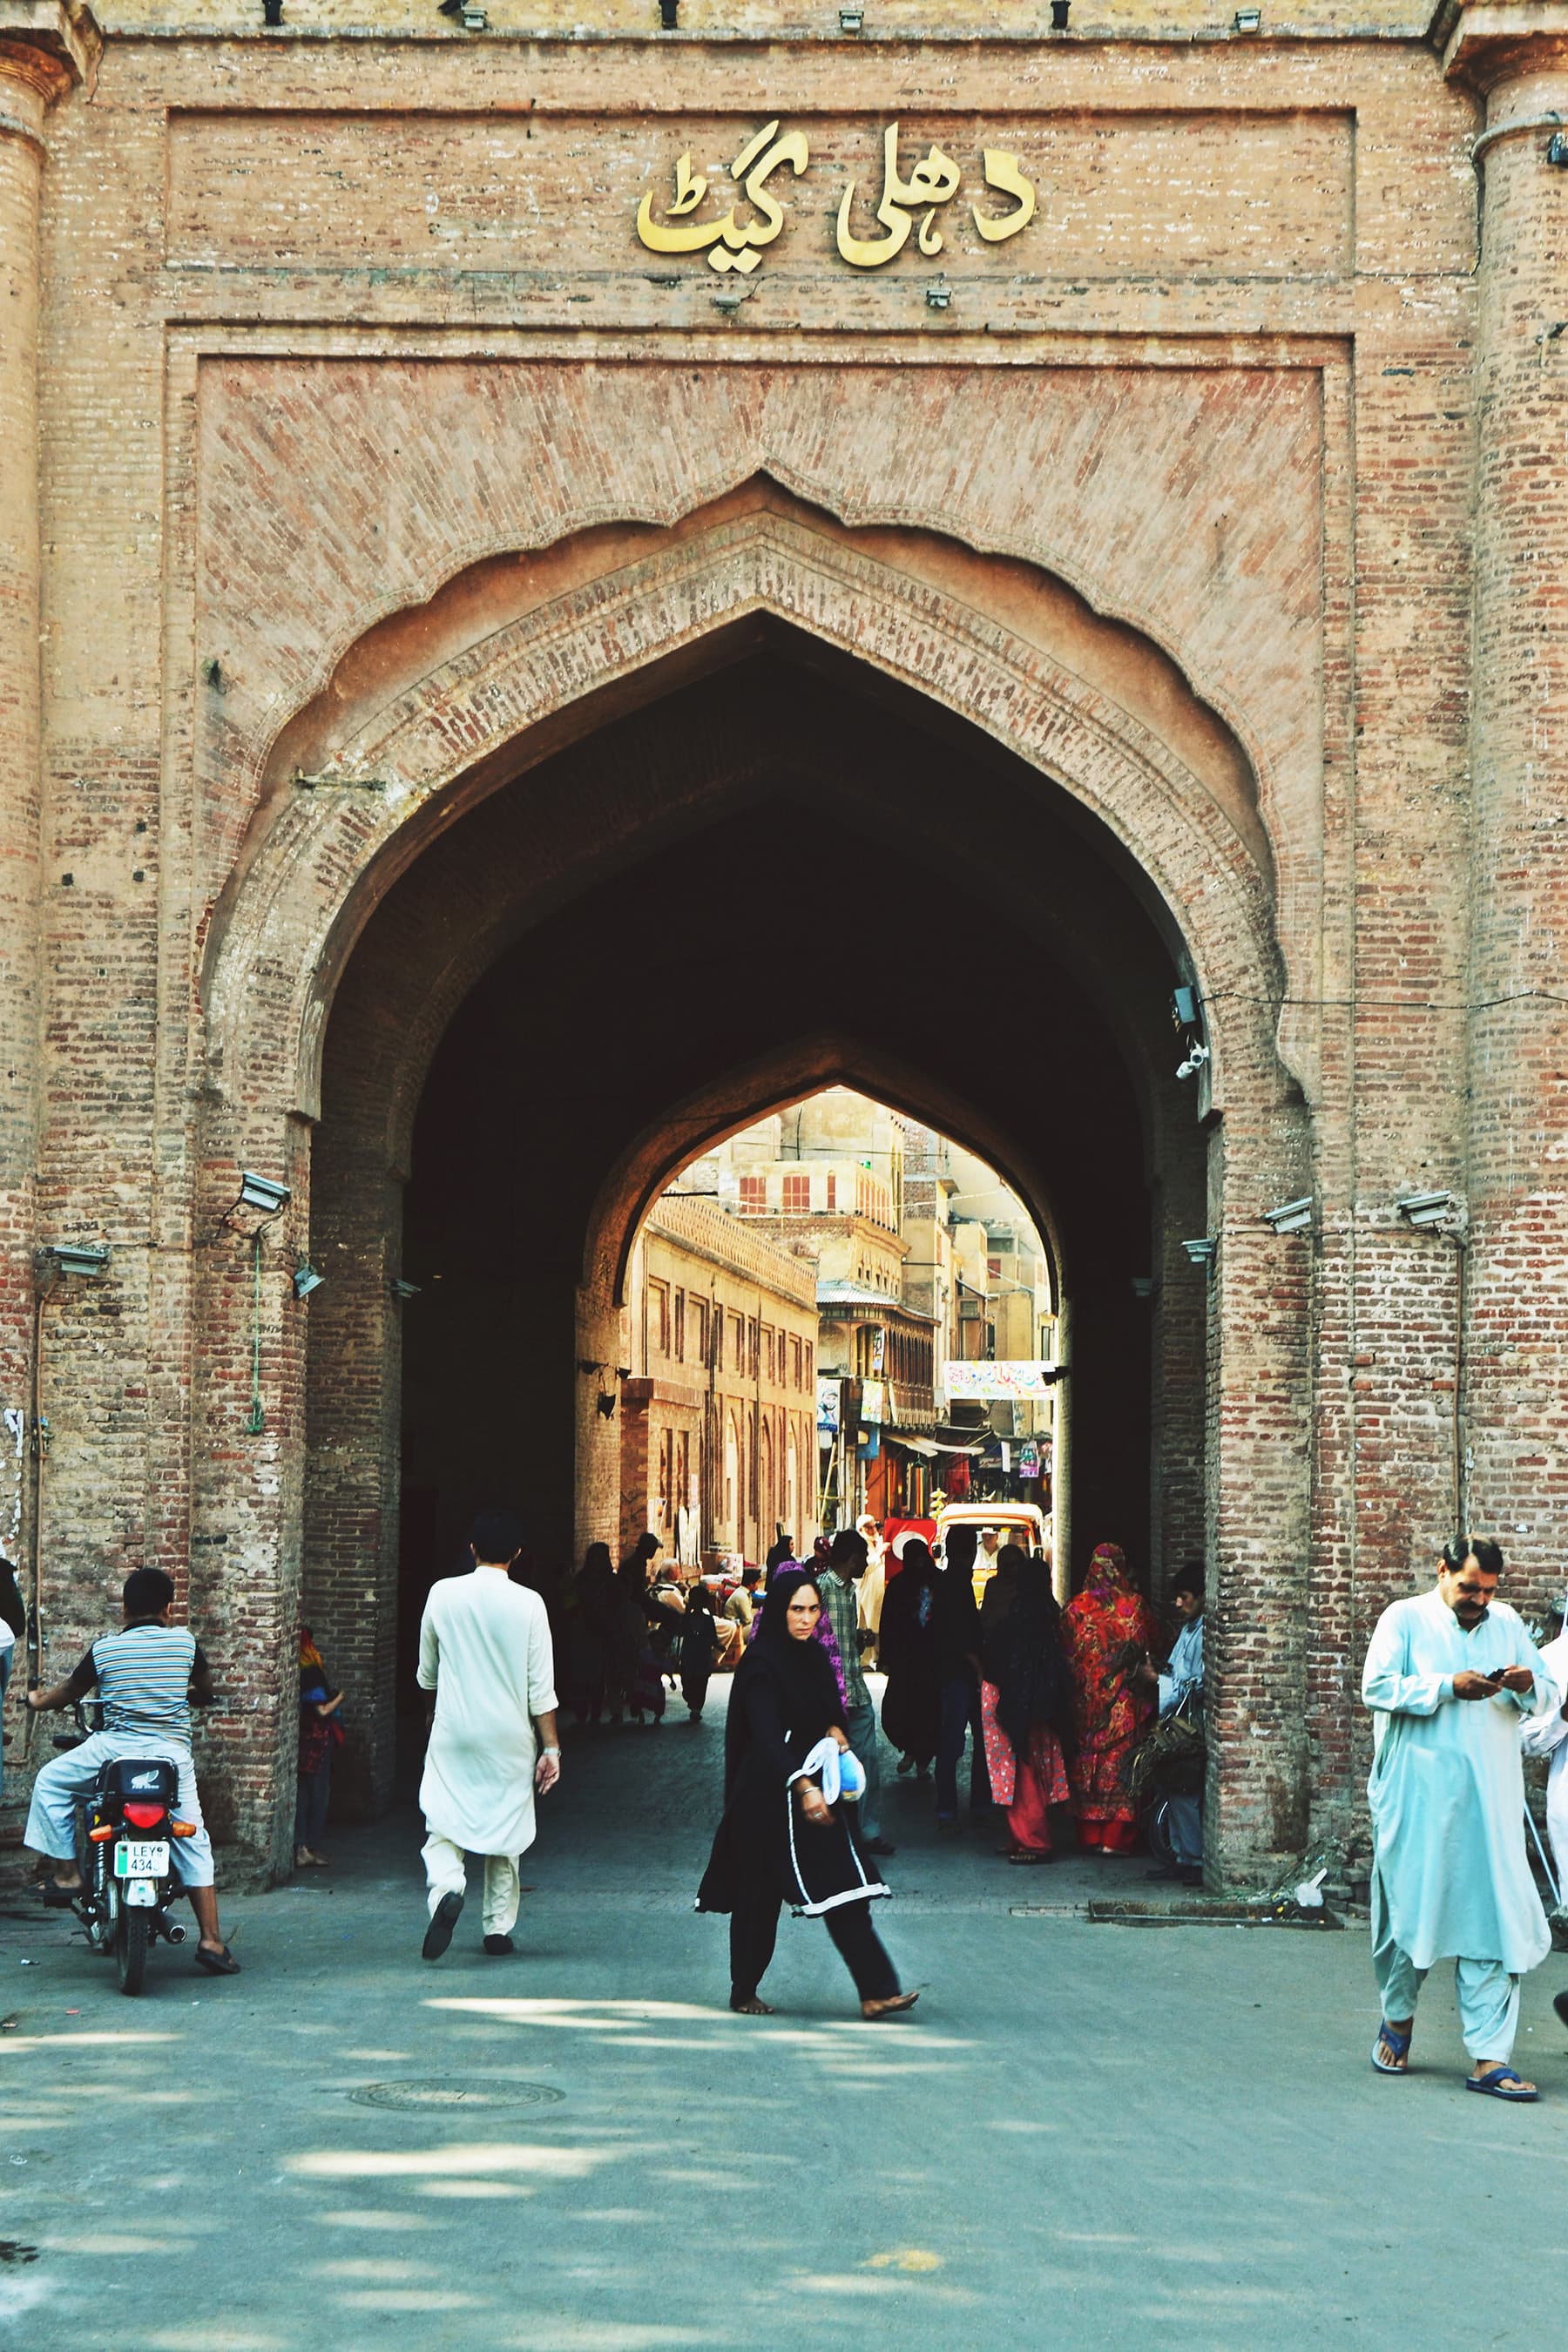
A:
x: 130, y: 1940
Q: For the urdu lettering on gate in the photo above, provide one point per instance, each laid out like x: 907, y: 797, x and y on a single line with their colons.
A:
x: 732, y: 244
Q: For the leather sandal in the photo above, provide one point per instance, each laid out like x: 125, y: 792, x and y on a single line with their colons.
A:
x: 893, y: 2006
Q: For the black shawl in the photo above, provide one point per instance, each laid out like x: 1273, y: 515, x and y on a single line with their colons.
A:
x: 908, y: 1647
x: 1019, y: 1621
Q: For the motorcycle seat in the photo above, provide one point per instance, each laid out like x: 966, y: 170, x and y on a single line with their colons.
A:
x: 150, y: 1778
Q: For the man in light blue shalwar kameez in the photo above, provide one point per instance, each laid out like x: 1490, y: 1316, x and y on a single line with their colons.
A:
x: 1447, y: 1677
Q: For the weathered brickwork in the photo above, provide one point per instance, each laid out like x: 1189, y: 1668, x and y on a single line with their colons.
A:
x: 440, y: 635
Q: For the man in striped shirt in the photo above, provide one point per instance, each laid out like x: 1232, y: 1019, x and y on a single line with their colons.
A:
x: 147, y: 1677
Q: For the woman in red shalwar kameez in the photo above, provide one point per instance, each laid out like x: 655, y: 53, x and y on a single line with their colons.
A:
x: 1098, y: 1626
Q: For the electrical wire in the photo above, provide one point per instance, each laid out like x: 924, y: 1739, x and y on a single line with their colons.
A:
x: 258, y: 1421
x: 1388, y: 1003
x: 37, y: 1438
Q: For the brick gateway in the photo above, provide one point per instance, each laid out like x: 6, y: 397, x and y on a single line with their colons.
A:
x: 455, y: 655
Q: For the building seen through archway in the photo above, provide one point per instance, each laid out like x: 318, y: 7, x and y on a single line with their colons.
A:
x: 796, y: 1299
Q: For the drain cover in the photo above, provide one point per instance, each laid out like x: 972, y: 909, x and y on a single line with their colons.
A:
x: 440, y: 2091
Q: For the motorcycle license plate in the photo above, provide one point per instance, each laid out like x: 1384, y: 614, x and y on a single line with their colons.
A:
x: 144, y: 1858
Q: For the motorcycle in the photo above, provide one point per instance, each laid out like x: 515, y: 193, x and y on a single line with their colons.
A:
x: 126, y: 1830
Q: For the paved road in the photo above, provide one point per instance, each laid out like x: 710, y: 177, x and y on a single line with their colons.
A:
x: 1086, y: 2134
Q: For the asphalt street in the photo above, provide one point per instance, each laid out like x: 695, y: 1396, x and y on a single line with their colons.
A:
x: 1085, y: 2134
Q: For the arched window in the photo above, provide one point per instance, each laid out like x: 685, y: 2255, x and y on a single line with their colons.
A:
x: 765, y: 1496
x: 792, y: 1491
x: 731, y: 1478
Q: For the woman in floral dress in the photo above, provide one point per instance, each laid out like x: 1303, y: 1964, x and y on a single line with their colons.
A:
x: 1106, y: 1631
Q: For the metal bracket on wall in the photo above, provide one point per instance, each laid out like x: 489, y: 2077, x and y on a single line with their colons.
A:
x: 345, y: 783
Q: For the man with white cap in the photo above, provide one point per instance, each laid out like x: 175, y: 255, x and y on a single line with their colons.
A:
x: 873, y: 1580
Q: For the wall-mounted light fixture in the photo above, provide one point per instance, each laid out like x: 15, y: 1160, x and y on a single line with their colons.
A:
x: 401, y: 1289
x: 939, y: 295
x: 87, y: 1260
x: 729, y: 297
x: 1291, y: 1216
x: 1557, y: 150
x: 261, y: 1192
x: 1248, y: 20
x: 851, y: 20
x: 1428, y: 1212
x: 266, y: 1198
x: 1204, y: 1251
x: 306, y: 1280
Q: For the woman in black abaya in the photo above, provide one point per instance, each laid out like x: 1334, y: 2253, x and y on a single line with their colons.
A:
x: 781, y: 1840
x: 909, y: 1646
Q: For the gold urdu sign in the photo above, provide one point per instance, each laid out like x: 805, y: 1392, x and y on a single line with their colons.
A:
x: 685, y: 221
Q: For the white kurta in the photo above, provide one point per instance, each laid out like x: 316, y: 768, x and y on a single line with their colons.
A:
x: 1547, y: 1735
x: 485, y: 1651
x: 1451, y: 1875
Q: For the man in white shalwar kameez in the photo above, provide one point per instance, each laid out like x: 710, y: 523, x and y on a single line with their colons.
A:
x: 485, y: 1651
x: 1447, y: 1677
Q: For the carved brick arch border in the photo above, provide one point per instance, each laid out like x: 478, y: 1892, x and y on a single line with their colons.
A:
x: 323, y: 859
x: 325, y: 856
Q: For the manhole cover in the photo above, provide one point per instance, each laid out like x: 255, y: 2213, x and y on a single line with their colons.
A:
x: 456, y: 2091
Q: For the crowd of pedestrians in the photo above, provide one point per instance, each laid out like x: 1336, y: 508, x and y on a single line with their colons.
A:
x: 1059, y: 1709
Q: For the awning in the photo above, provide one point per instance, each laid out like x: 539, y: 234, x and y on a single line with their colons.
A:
x: 910, y: 1445
x: 856, y: 1294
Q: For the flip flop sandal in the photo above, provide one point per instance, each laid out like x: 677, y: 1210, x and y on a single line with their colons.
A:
x: 894, y: 2006
x: 217, y: 1963
x: 1398, y: 2042
x: 1490, y: 2085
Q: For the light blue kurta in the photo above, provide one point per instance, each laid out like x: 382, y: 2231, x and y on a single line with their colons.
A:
x: 1184, y: 1674
x: 1450, y: 1873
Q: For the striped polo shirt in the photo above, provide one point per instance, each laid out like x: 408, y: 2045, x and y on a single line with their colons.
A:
x: 142, y: 1674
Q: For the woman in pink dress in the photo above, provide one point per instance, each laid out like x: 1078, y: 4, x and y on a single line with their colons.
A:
x: 1026, y: 1700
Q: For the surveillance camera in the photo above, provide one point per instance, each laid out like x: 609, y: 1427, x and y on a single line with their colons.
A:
x: 1197, y: 1055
